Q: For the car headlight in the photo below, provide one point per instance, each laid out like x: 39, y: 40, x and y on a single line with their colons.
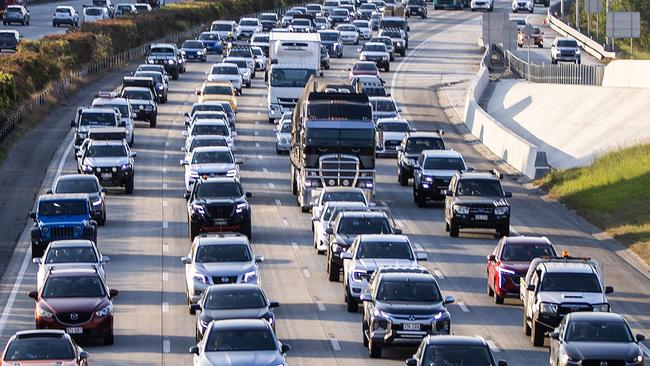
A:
x: 148, y: 107
x: 171, y: 62
x: 42, y: 313
x: 637, y: 359
x: 150, y: 61
x: 161, y: 87
x: 399, y: 44
x: 198, y: 208
x: 250, y: 276
x: 182, y: 52
x: 547, y: 308
x: 126, y: 167
x: 501, y: 210
x: 336, y: 248
x: 104, y: 311
x: 97, y: 202
x: 240, y: 207
x: 231, y: 173
x: 199, y: 53
x: 87, y: 168
x: 577, y: 52
x: 203, y: 323
x: 428, y: 179
x: 463, y: 210
x: 194, y: 174
x: 603, y: 308
x: 200, y: 277
x: 362, y: 57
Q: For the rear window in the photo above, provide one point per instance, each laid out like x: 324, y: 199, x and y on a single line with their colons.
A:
x: 32, y: 349
x: 76, y: 186
x: 526, y: 253
x: 71, y: 255
x: 192, y: 44
x: 62, y: 208
x: 62, y: 10
x: 567, y: 43
x: 93, y: 11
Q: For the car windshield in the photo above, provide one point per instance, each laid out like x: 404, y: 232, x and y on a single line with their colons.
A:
x: 209, y: 37
x: 229, y: 70
x: 363, y: 225
x: 384, y: 250
x: 241, y: 64
x: 313, y: 7
x: 361, y: 24
x: 207, y: 115
x: 97, y: 119
x: 137, y: 94
x: 438, y: 163
x: 329, y: 36
x: 286, y: 128
x: 526, y: 253
x: 598, y: 331
x: 390, y: 23
x: 62, y: 11
x: 570, y: 282
x: 385, y: 41
x: 156, y: 76
x: 39, y: 348
x: 354, y: 196
x: 301, y: 22
x: 239, y: 299
x: 6, y: 36
x: 220, y: 129
x: 222, y: 27
x: 460, y: 355
x: 423, y: 291
x: 257, y: 51
x: 567, y: 43
x: 71, y: 255
x: 384, y: 106
x: 368, y: 6
x: 391, y: 34
x: 212, y: 157
x: 81, y: 185
x: 332, y: 137
x: 208, y: 142
x: 13, y: 10
x: 479, y: 187
x: 331, y: 3
x: 417, y: 144
x: 192, y: 45
x: 340, y: 12
x: 240, y: 340
x: 219, y: 190
x: 260, y: 39
x: 73, y: 286
x: 296, y: 78
x: 62, y: 208
x: 217, y: 89
x: 394, y: 127
x: 367, y: 66
x: 162, y: 50
x: 374, y: 91
x: 206, y: 108
x: 248, y: 23
x: 154, y: 68
x: 222, y: 253
x: 106, y: 151
x: 269, y: 17
x: 347, y: 28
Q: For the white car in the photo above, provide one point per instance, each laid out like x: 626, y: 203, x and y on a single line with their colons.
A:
x: 223, y: 28
x: 93, y: 14
x: 209, y: 161
x: 390, y: 133
x: 283, y: 134
x: 487, y: 5
x: 369, y: 252
x: 203, y: 115
x: 215, y: 106
x: 525, y: 5
x: 210, y: 127
x: 65, y: 15
x: 260, y: 58
x: 349, y: 33
x: 204, y: 140
x: 125, y: 9
x: 363, y: 26
x: 226, y: 71
x: 383, y: 107
x: 70, y: 254
x: 320, y: 222
x: 126, y: 113
x: 142, y: 8
x: 242, y: 67
x: 300, y: 25
x: 247, y: 27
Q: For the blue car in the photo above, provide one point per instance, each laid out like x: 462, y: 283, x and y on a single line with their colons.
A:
x: 194, y: 50
x: 212, y: 42
x: 61, y: 217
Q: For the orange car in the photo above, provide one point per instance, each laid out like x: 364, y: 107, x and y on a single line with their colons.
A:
x: 535, y: 39
x: 41, y: 347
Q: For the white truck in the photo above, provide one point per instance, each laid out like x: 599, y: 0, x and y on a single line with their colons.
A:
x: 295, y: 57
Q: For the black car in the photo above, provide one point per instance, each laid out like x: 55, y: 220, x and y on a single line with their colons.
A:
x: 194, y: 50
x: 475, y: 199
x: 269, y: 21
x: 454, y: 350
x: 332, y: 40
x: 235, y: 301
x: 432, y: 174
x: 411, y: 147
x: 324, y: 57
x: 416, y: 8
x: 595, y: 338
x: 161, y: 86
x: 83, y: 183
x: 169, y: 56
x: 143, y: 103
x: 401, y: 309
x: 218, y: 204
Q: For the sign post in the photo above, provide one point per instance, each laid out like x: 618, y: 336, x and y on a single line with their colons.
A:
x: 528, y: 31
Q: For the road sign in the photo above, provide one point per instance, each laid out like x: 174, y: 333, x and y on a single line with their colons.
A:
x: 593, y: 6
x: 624, y: 25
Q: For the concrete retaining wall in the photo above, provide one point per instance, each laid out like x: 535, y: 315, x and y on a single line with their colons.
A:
x: 627, y: 74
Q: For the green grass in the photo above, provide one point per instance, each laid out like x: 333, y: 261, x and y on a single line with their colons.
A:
x: 613, y: 194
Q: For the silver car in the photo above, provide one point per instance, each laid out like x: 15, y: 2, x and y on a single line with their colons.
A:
x: 216, y: 259
x: 239, y: 342
x: 283, y: 134
x: 211, y: 161
x: 70, y: 254
x: 227, y: 72
x: 244, y: 68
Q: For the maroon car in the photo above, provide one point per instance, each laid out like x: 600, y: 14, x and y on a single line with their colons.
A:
x: 510, y: 261
x: 76, y: 300
x: 363, y: 68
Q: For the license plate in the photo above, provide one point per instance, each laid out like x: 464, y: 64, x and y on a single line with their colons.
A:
x: 481, y: 217
x: 107, y: 175
x: 74, y: 330
x: 409, y: 326
x: 221, y: 221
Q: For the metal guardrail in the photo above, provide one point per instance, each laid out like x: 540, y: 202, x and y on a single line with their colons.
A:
x: 549, y: 73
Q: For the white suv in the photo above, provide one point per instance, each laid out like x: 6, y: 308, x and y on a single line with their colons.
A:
x: 65, y: 15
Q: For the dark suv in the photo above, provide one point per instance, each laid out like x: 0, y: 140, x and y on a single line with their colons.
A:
x: 345, y: 228
x: 411, y: 147
x: 454, y: 350
x: 61, y: 217
x: 403, y: 308
x: 76, y: 300
x: 416, y: 7
x: 218, y: 205
x: 475, y: 199
x: 169, y: 56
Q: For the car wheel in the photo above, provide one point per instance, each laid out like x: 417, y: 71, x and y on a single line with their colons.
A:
x: 526, y: 326
x: 153, y: 122
x: 189, y: 306
x: 175, y: 75
x: 454, y: 229
x: 553, y: 61
x: 364, y: 339
x: 36, y: 253
x: 128, y: 187
x: 102, y: 220
x: 402, y: 179
x: 446, y: 226
x: 109, y: 339
x: 537, y: 334
x: 504, y: 230
x: 334, y: 271
x: 498, y: 299
x: 54, y: 24
x: 488, y: 288
x: 246, y: 229
x: 193, y: 230
x: 197, y: 336
x: 387, y: 68
x: 248, y: 84
x: 374, y: 351
x: 352, y: 304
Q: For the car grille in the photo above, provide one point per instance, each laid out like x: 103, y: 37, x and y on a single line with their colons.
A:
x: 603, y: 362
x: 220, y: 211
x: 392, y: 144
x: 339, y: 170
x: 219, y: 280
x: 66, y: 232
x: 521, y: 5
x: 287, y: 102
x: 572, y: 308
x: 481, y: 209
x: 74, y: 317
x: 567, y: 53
x: 106, y: 169
x: 411, y: 317
x: 213, y: 174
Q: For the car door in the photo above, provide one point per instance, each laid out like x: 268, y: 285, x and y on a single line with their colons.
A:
x: 491, y: 266
x: 417, y: 170
x: 449, y: 200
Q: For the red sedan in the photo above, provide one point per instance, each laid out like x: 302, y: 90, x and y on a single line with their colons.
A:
x: 363, y: 68
x: 510, y: 261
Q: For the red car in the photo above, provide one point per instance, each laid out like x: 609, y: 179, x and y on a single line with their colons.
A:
x: 510, y: 261
x: 43, y: 347
x: 363, y: 68
x: 76, y: 300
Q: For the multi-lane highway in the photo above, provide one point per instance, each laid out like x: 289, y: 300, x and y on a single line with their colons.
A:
x: 146, y: 233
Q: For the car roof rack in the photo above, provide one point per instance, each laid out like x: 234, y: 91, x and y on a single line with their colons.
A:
x: 107, y: 133
x: 493, y: 172
x: 65, y: 266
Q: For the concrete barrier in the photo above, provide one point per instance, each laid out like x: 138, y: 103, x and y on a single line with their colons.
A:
x: 627, y: 74
x: 514, y: 150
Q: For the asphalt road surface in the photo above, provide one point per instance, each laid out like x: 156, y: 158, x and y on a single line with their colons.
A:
x: 146, y: 234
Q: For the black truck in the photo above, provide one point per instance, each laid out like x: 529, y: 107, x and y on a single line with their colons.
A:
x: 332, y: 141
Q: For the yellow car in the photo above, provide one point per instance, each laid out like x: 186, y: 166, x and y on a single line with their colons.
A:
x: 218, y: 91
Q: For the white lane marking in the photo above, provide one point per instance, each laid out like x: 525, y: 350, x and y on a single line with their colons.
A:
x: 258, y: 112
x: 336, y: 346
x: 438, y: 274
x: 260, y: 157
x: 165, y: 225
x: 260, y: 104
x: 645, y: 349
x: 167, y: 345
x: 180, y: 112
x: 164, y: 170
x: 418, y: 247
x: 320, y: 306
x: 278, y: 202
x: 463, y: 307
x: 26, y: 259
x: 166, y: 143
x: 165, y: 156
x: 256, y: 133
x: 493, y: 346
x: 165, y: 203
x: 165, y: 307
x: 271, y: 185
x: 265, y: 170
x: 382, y: 202
x: 294, y: 245
x: 165, y: 248
x: 257, y: 144
x: 164, y: 185
x: 165, y: 276
x: 306, y: 272
x: 285, y: 222
x: 514, y: 232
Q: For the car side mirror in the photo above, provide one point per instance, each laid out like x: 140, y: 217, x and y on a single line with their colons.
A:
x: 186, y: 115
x: 449, y: 193
x: 449, y: 300
x: 194, y: 350
x: 554, y: 335
x: 508, y: 194
x: 345, y: 255
x: 33, y: 295
x: 233, y: 134
x: 134, y: 154
x: 640, y: 338
x: 183, y: 162
x: 195, y: 307
x: 609, y: 289
x: 239, y: 161
x: 72, y: 123
x: 491, y: 258
x: 329, y: 231
x: 358, y: 49
x: 104, y: 190
x: 284, y: 348
x: 365, y: 297
x: 259, y: 259
x: 186, y: 260
x: 105, y: 259
x: 197, y: 92
x: 49, y: 191
x: 397, y: 231
x: 411, y: 362
x: 249, y: 195
x: 186, y: 195
x: 421, y: 257
x: 399, y: 148
x: 32, y: 214
x: 530, y: 287
x: 37, y: 261
x: 113, y: 293
x: 83, y: 355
